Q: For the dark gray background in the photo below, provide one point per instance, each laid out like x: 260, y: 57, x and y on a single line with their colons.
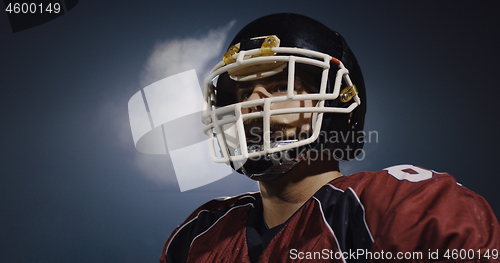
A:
x: 72, y: 188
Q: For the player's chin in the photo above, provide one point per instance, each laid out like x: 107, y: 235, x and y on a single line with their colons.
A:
x: 295, y: 133
x: 257, y: 137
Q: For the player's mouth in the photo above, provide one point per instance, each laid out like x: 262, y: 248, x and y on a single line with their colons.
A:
x: 255, y: 133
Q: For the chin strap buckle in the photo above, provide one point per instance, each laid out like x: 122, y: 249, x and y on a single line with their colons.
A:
x: 348, y: 93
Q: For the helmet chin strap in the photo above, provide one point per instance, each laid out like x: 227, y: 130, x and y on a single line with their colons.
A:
x: 275, y: 164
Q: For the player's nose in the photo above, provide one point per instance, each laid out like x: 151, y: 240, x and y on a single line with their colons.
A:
x: 259, y: 92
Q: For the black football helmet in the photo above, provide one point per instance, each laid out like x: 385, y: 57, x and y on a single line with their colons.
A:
x: 284, y: 44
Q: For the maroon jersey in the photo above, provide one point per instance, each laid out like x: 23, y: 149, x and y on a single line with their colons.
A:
x: 402, y: 213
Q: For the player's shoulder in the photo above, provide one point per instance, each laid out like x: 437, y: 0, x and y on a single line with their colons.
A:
x: 237, y: 200
x: 404, y: 186
x: 405, y: 176
x: 400, y: 183
x: 204, y: 218
x: 406, y: 199
x: 207, y: 215
x: 222, y: 204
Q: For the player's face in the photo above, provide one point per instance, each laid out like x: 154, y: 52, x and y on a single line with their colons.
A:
x: 286, y: 126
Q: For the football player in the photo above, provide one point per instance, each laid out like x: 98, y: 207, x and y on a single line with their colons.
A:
x: 286, y: 103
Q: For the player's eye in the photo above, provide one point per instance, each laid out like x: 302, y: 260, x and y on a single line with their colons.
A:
x: 244, y: 95
x: 283, y: 88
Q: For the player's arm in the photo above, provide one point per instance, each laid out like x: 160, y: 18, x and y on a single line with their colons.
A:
x: 442, y: 219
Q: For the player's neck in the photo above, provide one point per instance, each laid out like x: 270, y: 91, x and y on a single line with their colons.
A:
x: 284, y: 195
